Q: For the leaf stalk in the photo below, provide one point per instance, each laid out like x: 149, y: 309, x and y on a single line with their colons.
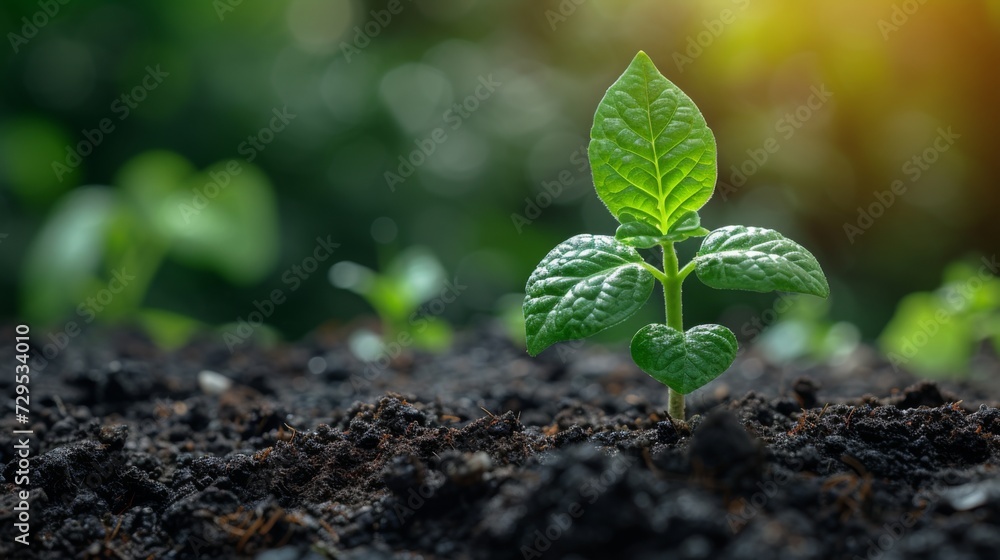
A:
x: 672, y: 281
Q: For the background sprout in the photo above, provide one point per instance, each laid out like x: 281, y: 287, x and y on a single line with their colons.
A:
x: 411, y: 279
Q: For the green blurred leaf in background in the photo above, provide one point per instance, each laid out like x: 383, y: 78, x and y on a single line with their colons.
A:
x: 111, y: 241
x: 936, y: 333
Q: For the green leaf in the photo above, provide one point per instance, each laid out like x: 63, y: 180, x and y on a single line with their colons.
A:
x: 436, y: 335
x: 223, y: 218
x: 417, y: 276
x: 170, y: 330
x: 927, y: 335
x: 758, y: 260
x: 684, y: 361
x: 641, y: 235
x: 63, y: 262
x: 583, y: 286
x: 651, y: 152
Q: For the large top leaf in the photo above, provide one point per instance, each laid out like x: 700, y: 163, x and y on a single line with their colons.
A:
x: 585, y: 285
x: 758, y: 260
x: 651, y: 152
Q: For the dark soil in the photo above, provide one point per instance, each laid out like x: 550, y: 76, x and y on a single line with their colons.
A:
x: 485, y: 453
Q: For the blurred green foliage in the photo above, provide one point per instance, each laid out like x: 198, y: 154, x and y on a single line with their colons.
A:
x: 937, y: 333
x: 98, y: 251
x: 411, y: 279
x: 805, y: 332
x: 366, y: 93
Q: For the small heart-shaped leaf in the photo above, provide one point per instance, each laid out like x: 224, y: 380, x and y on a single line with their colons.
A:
x: 684, y: 361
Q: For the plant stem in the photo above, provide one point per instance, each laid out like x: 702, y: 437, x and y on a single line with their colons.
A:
x: 675, y: 320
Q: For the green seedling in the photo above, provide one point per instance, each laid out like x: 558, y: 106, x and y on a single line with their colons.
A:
x: 653, y: 159
x: 410, y: 280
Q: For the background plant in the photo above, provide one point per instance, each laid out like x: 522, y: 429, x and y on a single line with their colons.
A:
x: 355, y: 118
x: 410, y: 280
x: 654, y: 164
x: 937, y: 333
x: 133, y: 229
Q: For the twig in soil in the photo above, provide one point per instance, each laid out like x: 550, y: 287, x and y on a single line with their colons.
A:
x: 115, y: 532
x: 822, y: 412
x: 800, y: 425
x: 294, y: 433
x: 649, y: 463
x: 804, y: 417
x: 672, y: 425
x: 333, y: 534
x: 855, y: 464
x: 849, y: 416
x: 263, y: 454
x: 257, y: 525
x: 128, y: 506
x: 60, y: 406
x: 106, y: 550
x: 254, y: 527
x: 270, y: 522
x: 483, y: 408
x: 859, y: 484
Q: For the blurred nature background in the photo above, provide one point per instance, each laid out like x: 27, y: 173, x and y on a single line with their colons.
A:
x: 314, y: 101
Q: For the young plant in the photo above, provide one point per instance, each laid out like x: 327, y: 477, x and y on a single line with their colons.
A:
x: 653, y: 159
x: 410, y: 280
